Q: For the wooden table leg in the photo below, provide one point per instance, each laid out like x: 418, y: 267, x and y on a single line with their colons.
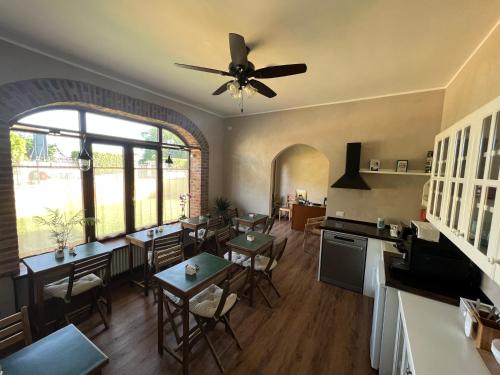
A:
x: 252, y: 281
x: 39, y: 305
x: 145, y: 270
x: 185, y: 336
x: 130, y: 264
x: 160, y: 319
x: 195, y: 247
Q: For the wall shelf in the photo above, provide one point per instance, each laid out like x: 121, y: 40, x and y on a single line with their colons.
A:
x: 390, y: 171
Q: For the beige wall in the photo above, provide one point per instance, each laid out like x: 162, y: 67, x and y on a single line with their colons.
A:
x: 399, y: 127
x: 302, y: 167
x: 476, y: 84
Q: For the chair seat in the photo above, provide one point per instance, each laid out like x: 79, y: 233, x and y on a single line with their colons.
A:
x: 261, y: 262
x: 172, y: 297
x: 205, y: 303
x: 236, y: 258
x: 286, y: 209
x: 201, y: 234
x: 59, y: 288
x: 242, y: 228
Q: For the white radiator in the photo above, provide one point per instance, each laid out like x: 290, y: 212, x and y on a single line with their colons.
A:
x: 120, y: 260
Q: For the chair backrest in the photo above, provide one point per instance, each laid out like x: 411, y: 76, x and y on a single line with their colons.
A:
x: 269, y: 225
x: 233, y: 285
x: 232, y: 213
x: 167, y: 256
x: 14, y: 329
x: 277, y: 253
x: 96, y: 265
x: 316, y: 220
x: 290, y: 199
x: 215, y: 223
x: 169, y: 240
x: 221, y: 237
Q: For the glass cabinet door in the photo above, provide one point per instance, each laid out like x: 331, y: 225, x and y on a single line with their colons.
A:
x: 483, y: 199
x: 438, y: 179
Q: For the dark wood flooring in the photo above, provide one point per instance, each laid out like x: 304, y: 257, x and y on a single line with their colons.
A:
x: 315, y: 328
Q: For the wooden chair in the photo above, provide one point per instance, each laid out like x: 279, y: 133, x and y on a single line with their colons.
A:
x: 84, y: 279
x: 164, y: 258
x: 222, y: 302
x: 312, y: 228
x: 232, y: 215
x: 207, y: 234
x: 287, y: 208
x: 165, y: 252
x: 14, y: 329
x: 269, y: 225
x: 169, y: 240
x: 264, y: 267
x: 221, y: 237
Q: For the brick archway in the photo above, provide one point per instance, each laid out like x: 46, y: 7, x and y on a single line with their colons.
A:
x: 17, y: 98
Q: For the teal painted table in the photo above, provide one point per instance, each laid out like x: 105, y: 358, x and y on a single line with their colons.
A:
x: 144, y: 241
x: 240, y: 244
x: 64, y: 352
x: 213, y: 270
x: 45, y: 268
x: 251, y: 221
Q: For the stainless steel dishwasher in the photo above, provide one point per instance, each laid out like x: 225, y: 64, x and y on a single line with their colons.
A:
x: 343, y: 258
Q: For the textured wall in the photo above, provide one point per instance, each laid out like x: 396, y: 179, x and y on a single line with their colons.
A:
x: 399, y: 127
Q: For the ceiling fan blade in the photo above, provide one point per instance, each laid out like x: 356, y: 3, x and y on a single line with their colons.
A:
x: 201, y: 69
x: 221, y: 89
x: 238, y: 49
x: 262, y: 89
x: 280, y: 71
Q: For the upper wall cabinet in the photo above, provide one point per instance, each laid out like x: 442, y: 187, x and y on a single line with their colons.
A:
x: 464, y: 184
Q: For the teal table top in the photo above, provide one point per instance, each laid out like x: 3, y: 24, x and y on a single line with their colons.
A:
x: 64, y: 352
x: 251, y: 219
x: 143, y: 236
x: 47, y: 261
x: 261, y: 240
x: 197, y: 220
x: 210, y: 265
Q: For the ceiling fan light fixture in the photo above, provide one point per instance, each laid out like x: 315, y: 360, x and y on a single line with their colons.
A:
x: 233, y: 88
x: 249, y: 90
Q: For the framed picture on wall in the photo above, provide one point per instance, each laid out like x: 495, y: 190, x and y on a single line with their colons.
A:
x: 402, y: 166
x: 374, y: 165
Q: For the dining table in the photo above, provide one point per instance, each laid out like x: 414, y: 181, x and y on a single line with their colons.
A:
x: 258, y: 244
x: 211, y: 270
x: 194, y: 224
x: 143, y: 240
x: 251, y: 220
x: 46, y: 268
x: 66, y: 351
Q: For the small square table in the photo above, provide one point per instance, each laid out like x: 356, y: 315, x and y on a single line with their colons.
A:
x: 144, y: 241
x: 241, y: 245
x: 46, y: 268
x: 213, y: 270
x: 251, y: 221
x: 64, y: 352
x: 195, y: 223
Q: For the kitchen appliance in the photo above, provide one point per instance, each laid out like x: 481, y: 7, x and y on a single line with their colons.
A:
x: 342, y: 260
x: 351, y: 178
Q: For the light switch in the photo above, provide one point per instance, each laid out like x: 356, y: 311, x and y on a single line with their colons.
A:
x: 340, y: 213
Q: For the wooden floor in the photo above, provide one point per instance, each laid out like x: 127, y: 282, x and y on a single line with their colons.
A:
x: 315, y: 328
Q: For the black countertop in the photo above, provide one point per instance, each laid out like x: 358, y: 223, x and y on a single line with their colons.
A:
x: 360, y: 228
x: 439, y: 291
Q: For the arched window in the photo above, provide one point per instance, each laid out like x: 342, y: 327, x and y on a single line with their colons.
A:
x: 130, y: 186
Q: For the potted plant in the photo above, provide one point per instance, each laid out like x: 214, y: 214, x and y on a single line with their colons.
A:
x: 61, y: 226
x: 183, y: 199
x: 221, y: 207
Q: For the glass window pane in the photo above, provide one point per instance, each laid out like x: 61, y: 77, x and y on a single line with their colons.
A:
x: 66, y: 119
x: 145, y: 187
x: 458, y: 205
x: 175, y: 184
x: 450, y: 203
x: 495, y: 158
x: 437, y: 159
x: 117, y: 127
x: 444, y: 157
x: 46, y: 175
x: 433, y: 196
x: 171, y: 138
x: 457, y: 152
x: 487, y: 219
x: 439, y: 198
x: 109, y: 183
x: 476, y: 199
x: 464, y: 151
x: 483, y: 150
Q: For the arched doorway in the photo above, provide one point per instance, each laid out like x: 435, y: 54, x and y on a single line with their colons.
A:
x: 299, y: 169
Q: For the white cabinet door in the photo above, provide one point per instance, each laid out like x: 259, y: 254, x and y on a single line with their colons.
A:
x: 439, y: 176
x: 402, y: 357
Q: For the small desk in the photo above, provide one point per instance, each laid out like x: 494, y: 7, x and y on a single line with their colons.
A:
x: 240, y: 244
x: 212, y: 270
x: 195, y: 223
x: 45, y: 268
x: 144, y: 241
x: 64, y: 352
x: 251, y: 221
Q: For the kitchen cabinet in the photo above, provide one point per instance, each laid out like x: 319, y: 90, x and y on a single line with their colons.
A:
x: 403, y: 364
x: 464, y: 185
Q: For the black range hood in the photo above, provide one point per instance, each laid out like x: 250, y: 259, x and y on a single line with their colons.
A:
x: 351, y: 178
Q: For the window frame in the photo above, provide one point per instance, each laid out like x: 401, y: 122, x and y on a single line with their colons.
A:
x: 128, y: 146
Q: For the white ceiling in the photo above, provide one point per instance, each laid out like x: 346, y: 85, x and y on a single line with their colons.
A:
x: 353, y: 49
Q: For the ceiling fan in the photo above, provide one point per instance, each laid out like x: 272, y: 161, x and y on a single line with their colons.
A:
x: 244, y: 72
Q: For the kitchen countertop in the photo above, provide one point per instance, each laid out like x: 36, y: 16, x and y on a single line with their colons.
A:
x: 437, y: 344
x: 360, y: 228
x: 427, y: 288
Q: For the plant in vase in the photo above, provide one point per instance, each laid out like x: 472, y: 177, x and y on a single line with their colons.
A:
x: 222, y: 205
x: 183, y: 200
x: 60, y: 226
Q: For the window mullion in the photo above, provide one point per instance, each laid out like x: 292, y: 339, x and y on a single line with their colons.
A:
x: 87, y: 185
x: 129, y: 189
